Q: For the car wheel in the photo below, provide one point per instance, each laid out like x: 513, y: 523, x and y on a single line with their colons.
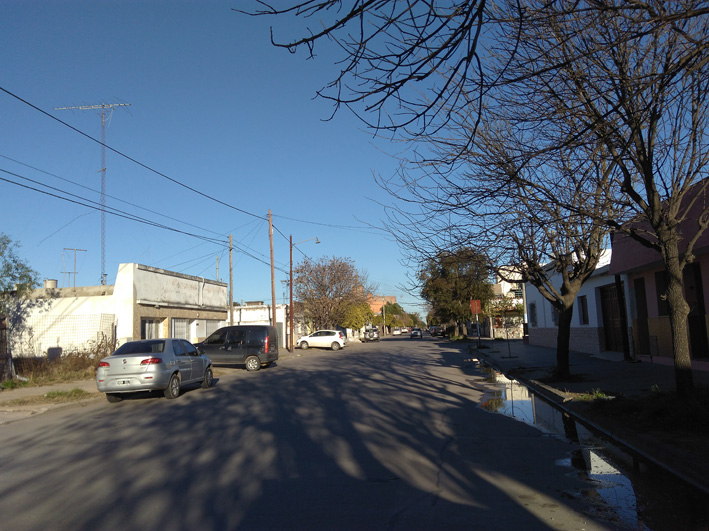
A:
x: 173, y: 388
x: 208, y: 378
x: 253, y: 363
x: 335, y: 345
x: 304, y: 345
x: 113, y: 398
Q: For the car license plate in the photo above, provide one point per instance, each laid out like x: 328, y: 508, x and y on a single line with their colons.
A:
x: 123, y: 382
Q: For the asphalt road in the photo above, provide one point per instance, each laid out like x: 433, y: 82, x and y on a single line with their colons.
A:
x: 385, y: 435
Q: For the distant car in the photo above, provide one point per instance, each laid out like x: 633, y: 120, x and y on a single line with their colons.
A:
x: 153, y: 365
x: 371, y: 334
x: 253, y: 346
x: 396, y: 332
x: 416, y: 333
x: 333, y: 339
x: 436, y: 330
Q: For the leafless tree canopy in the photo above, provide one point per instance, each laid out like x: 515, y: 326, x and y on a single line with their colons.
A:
x: 392, y: 54
x: 538, y: 125
x: 327, y: 288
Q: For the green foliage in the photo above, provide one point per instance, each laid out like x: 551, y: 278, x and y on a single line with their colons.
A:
x: 451, y: 280
x: 14, y: 384
x: 17, y: 280
x: 357, y: 315
x: 15, y: 275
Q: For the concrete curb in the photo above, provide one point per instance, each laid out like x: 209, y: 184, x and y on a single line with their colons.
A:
x: 560, y: 398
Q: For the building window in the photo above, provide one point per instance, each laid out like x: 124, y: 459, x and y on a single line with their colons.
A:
x: 533, y: 314
x: 150, y: 329
x: 517, y: 290
x: 211, y: 325
x: 583, y: 310
x: 555, y: 316
x: 661, y: 291
x: 179, y: 328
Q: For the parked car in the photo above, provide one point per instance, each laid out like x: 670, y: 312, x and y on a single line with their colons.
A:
x: 153, y: 365
x: 396, y: 332
x: 333, y: 339
x: 254, y: 346
x: 436, y: 330
x: 371, y: 334
x: 416, y: 333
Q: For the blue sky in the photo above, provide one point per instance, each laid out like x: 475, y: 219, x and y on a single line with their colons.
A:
x: 213, y: 106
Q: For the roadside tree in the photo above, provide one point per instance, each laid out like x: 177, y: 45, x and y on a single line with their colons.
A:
x: 631, y: 76
x: 635, y: 94
x: 357, y: 315
x: 450, y: 280
x: 329, y: 289
x: 17, y: 280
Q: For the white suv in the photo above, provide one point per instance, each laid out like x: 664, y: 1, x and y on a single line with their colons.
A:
x: 333, y: 339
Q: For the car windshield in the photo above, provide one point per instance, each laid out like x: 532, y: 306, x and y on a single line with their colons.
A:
x: 141, y: 347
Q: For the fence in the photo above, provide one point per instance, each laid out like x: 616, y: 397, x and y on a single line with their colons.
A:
x: 70, y: 333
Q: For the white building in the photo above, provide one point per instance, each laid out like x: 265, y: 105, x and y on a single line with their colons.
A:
x: 595, y: 320
x: 145, y: 302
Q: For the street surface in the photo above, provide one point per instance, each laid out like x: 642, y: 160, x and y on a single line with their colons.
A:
x: 383, y: 435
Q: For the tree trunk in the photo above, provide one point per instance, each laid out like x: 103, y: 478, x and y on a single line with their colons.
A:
x: 562, y: 343
x: 678, y: 312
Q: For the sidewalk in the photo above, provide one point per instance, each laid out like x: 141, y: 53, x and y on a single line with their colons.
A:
x: 12, y: 412
x: 531, y: 365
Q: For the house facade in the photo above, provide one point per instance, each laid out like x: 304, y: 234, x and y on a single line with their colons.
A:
x: 643, y: 276
x: 596, y: 325
x: 144, y: 303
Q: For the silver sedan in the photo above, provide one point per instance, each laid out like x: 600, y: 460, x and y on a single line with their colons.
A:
x: 153, y: 365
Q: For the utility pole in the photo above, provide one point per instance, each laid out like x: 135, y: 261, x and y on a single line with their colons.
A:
x: 103, y: 107
x: 273, y: 269
x: 230, y: 306
x: 290, y: 285
x: 75, y: 251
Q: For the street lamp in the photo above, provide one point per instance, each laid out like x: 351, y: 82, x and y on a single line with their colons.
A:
x: 291, y: 285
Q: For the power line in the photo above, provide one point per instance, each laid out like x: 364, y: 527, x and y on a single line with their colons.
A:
x: 110, y: 210
x: 175, y: 181
x: 126, y: 215
x: 103, y: 107
x: 145, y: 166
x: 107, y: 195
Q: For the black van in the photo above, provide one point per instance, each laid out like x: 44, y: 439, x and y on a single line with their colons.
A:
x: 255, y: 346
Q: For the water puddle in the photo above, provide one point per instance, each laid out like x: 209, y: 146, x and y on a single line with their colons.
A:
x: 641, y: 496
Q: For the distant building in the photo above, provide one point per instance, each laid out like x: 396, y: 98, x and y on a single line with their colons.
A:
x: 377, y: 302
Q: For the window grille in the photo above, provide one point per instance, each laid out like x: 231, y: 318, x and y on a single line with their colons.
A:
x: 179, y: 328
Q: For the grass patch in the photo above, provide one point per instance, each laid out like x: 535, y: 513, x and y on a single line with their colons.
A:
x: 38, y: 371
x: 595, y: 394
x: 53, y: 397
x: 659, y: 412
x: 13, y: 384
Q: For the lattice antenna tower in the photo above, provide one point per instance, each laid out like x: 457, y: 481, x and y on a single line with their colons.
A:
x: 103, y: 107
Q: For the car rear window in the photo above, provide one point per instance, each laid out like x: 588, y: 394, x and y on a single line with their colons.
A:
x: 142, y: 347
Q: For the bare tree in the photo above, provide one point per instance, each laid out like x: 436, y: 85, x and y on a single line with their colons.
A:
x: 328, y: 289
x: 391, y: 52
x: 631, y: 77
x: 534, y: 217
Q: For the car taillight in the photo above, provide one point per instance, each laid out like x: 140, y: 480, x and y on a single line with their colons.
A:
x: 151, y: 361
x: 265, y: 346
x: 103, y: 364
